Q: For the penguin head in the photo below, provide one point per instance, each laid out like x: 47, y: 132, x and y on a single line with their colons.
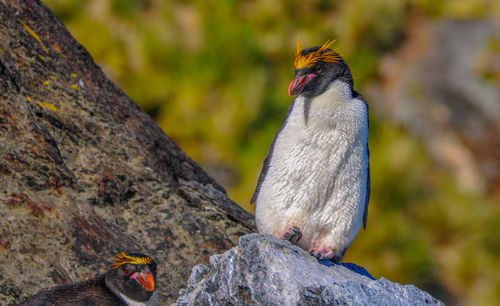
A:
x: 132, y: 277
x: 316, y: 68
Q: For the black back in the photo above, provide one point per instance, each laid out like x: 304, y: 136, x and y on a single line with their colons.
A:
x: 88, y: 292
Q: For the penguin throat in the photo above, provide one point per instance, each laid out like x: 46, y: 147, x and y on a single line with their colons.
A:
x: 153, y: 300
x: 316, y: 109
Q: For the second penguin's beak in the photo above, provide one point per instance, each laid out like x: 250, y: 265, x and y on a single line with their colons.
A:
x: 298, y: 84
x: 146, y: 280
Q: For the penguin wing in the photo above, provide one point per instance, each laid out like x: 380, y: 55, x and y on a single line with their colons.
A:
x: 265, y: 168
x: 358, y: 96
x: 267, y: 160
x: 87, y: 292
x: 368, y: 189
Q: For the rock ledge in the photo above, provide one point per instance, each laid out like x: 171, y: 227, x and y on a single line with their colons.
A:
x: 265, y: 270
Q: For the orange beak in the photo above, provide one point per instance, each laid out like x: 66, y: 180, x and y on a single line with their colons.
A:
x: 298, y: 84
x: 146, y: 280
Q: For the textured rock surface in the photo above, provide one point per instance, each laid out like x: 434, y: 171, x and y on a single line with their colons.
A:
x: 85, y: 173
x: 443, y: 84
x: 267, y: 271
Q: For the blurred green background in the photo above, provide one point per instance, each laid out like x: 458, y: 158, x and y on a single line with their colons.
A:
x: 214, y: 75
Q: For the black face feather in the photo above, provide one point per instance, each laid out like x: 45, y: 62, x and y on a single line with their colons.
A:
x: 325, y: 74
x: 124, y: 279
x: 152, y: 265
x: 130, y: 287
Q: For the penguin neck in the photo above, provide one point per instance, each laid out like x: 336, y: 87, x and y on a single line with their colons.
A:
x: 153, y: 300
x: 310, y: 110
x: 111, y: 286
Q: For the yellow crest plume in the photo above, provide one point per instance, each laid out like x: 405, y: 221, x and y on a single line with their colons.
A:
x: 123, y: 258
x: 320, y: 55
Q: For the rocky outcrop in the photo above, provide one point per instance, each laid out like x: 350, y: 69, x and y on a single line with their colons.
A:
x: 85, y: 173
x: 264, y: 270
x: 443, y: 84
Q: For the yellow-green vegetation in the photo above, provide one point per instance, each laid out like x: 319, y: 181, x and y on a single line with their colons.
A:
x: 214, y: 74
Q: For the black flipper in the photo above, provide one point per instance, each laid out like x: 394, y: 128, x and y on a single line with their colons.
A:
x: 356, y: 95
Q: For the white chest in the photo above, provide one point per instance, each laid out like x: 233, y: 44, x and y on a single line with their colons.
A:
x: 318, y: 170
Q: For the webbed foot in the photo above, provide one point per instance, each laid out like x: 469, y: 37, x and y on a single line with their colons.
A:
x: 292, y: 234
x: 325, y: 253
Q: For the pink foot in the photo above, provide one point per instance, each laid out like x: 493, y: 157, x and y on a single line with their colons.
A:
x: 292, y: 234
x: 325, y: 254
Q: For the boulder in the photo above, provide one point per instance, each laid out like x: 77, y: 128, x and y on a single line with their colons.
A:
x: 264, y: 270
x: 85, y: 173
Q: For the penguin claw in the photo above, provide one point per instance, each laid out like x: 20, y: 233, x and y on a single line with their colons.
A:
x: 324, y: 254
x: 292, y: 234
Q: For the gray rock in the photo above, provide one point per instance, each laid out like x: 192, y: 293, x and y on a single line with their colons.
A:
x: 265, y: 270
x: 85, y: 173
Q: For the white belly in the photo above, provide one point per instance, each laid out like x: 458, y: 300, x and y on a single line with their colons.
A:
x: 317, y: 175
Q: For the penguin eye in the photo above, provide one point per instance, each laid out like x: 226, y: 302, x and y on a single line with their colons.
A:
x: 317, y: 69
x: 127, y: 272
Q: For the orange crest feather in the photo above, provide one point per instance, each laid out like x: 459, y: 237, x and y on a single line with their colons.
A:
x: 123, y: 258
x: 320, y: 55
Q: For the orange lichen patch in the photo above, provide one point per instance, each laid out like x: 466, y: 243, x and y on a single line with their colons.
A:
x: 320, y: 55
x: 58, y: 191
x: 227, y: 243
x: 37, y: 209
x: 48, y: 106
x: 56, y: 48
x: 107, y: 175
x: 220, y: 246
x: 123, y: 258
x: 44, y: 104
x: 32, y: 33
